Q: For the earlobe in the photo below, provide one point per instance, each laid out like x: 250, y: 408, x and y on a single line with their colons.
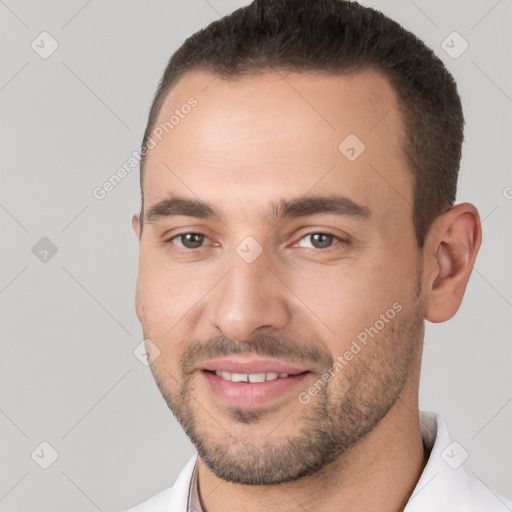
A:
x: 452, y: 245
x: 136, y: 225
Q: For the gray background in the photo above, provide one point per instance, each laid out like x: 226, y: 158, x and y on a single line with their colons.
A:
x: 68, y: 375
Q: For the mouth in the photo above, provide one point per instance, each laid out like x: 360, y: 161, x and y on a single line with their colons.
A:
x: 248, y: 383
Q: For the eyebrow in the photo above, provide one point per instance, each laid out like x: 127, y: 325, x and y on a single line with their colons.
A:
x: 299, y: 207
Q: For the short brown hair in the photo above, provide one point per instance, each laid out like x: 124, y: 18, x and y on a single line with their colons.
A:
x: 337, y: 37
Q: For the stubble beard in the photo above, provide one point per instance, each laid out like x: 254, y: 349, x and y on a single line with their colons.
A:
x: 335, y: 420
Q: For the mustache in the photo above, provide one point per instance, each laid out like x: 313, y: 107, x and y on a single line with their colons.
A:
x: 271, y: 346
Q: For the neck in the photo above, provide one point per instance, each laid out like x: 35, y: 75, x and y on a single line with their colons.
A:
x: 379, y: 473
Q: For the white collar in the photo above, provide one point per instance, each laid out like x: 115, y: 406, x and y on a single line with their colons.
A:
x: 444, y: 485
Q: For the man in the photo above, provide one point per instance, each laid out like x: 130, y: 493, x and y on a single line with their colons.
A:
x: 297, y: 227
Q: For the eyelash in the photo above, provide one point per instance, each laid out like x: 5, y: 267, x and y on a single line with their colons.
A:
x: 326, y: 232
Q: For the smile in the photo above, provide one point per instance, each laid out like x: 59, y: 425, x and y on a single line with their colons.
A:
x: 250, y: 377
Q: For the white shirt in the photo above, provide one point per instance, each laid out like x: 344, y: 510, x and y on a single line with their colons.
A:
x: 444, y: 485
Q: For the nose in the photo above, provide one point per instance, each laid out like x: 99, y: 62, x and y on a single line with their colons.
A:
x: 250, y: 298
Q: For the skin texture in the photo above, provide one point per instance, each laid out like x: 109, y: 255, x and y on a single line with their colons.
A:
x: 255, y: 141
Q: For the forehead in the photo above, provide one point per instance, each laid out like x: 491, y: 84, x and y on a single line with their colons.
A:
x: 280, y: 134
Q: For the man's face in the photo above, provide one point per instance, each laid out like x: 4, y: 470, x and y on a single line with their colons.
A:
x: 280, y: 254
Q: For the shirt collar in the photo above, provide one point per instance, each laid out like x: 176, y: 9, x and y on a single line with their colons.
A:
x: 194, y: 503
x: 444, y: 485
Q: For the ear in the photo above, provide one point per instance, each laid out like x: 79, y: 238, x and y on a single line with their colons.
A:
x: 136, y: 225
x: 450, y: 252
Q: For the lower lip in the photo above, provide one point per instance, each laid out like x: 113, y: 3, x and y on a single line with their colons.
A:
x: 251, y: 394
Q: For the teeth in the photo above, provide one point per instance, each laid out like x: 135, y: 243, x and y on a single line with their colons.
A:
x: 252, y: 377
x: 256, y: 377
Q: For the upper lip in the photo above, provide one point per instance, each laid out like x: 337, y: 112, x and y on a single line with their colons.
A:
x: 249, y: 365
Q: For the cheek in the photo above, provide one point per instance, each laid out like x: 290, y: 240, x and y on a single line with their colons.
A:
x: 157, y: 279
x: 156, y: 300
x: 160, y: 320
x: 341, y: 303
x: 168, y: 302
x: 346, y: 300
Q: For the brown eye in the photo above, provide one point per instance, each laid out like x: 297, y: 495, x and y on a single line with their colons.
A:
x: 189, y: 240
x: 317, y: 240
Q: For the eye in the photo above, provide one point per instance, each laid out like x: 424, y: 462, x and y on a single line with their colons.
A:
x: 317, y: 240
x: 189, y: 240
